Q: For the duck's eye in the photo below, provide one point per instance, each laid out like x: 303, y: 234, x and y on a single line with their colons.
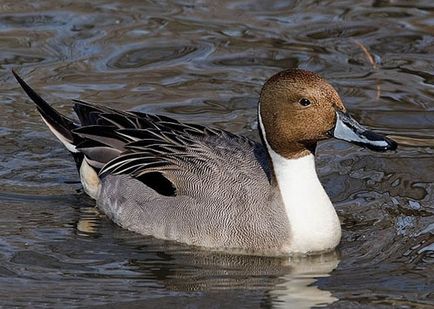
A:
x: 304, y: 102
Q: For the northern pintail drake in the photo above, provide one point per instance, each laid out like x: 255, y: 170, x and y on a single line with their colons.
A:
x: 208, y: 187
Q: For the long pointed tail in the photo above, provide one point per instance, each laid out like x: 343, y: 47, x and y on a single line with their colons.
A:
x: 60, y: 125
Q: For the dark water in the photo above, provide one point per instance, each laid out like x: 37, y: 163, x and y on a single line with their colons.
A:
x: 205, y: 61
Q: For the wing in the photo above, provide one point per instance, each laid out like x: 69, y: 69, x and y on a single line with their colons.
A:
x: 171, y: 157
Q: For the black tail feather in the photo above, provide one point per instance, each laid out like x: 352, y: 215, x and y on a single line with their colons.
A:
x: 60, y: 123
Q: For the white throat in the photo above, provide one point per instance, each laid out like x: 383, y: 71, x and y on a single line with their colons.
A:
x: 314, y: 224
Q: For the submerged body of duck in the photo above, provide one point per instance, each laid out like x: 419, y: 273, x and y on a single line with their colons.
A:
x: 208, y: 187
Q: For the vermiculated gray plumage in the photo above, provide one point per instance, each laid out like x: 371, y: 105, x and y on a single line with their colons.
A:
x: 222, y: 196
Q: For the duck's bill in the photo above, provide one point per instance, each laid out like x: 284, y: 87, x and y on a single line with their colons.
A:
x: 348, y: 129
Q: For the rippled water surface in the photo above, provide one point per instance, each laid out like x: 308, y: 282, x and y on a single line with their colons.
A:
x: 205, y: 62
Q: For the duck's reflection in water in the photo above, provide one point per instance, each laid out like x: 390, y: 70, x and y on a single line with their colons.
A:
x: 279, y: 282
x: 88, y: 221
x: 298, y: 290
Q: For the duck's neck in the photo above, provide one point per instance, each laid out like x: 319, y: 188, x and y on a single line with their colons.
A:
x: 313, y: 223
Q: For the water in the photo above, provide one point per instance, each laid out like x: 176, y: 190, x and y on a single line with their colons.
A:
x: 204, y: 62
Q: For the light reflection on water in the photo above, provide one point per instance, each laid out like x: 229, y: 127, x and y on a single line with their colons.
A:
x: 205, y: 62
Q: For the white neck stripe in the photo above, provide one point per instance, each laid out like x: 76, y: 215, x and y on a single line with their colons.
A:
x: 312, y: 219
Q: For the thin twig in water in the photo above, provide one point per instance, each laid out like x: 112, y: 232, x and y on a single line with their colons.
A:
x: 368, y: 55
x: 373, y: 63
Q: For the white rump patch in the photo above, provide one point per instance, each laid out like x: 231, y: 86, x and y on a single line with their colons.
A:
x: 89, y: 179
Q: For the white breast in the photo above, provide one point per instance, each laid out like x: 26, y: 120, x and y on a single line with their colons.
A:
x: 312, y: 218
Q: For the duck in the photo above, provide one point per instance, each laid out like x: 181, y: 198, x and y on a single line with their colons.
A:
x: 210, y: 188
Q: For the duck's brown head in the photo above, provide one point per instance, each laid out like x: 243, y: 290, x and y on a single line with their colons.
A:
x: 298, y: 108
